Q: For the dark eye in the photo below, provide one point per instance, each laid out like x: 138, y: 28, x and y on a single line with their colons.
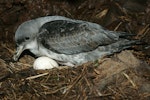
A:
x: 27, y: 38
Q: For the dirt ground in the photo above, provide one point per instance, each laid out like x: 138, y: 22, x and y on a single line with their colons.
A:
x: 124, y: 75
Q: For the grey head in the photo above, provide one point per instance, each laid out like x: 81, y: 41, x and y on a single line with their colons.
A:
x: 25, y: 35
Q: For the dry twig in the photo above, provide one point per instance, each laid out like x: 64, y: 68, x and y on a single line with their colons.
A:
x: 36, y: 76
x: 133, y: 84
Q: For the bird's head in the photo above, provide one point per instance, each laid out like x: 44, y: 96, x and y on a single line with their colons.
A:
x: 24, y: 36
x: 27, y: 32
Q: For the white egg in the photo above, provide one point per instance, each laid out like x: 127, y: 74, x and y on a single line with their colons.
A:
x: 43, y: 63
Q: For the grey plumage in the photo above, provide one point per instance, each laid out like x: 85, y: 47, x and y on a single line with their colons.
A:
x: 68, y: 41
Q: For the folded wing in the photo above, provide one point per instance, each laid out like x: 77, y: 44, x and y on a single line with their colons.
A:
x: 68, y: 37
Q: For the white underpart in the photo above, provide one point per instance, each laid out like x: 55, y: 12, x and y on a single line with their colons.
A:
x: 37, y: 50
x: 43, y: 63
x: 68, y: 60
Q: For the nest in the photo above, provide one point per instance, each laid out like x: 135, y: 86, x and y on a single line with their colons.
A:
x: 124, y: 75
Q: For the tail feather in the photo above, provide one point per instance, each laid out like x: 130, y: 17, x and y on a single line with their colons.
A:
x: 126, y: 35
x: 121, y: 45
x: 129, y: 36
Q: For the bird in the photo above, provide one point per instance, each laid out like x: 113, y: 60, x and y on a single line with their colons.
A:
x: 69, y: 41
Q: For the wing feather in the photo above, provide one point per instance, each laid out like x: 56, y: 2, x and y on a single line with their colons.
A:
x: 67, y: 37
